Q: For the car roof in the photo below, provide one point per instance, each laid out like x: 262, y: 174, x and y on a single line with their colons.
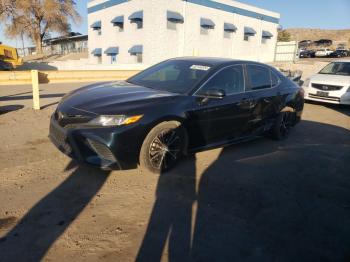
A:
x: 215, y: 61
x: 343, y: 61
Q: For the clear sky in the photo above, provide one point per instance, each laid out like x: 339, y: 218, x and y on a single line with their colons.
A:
x: 323, y: 14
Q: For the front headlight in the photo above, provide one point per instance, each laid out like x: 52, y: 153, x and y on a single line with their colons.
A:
x: 117, y: 120
x: 307, y: 82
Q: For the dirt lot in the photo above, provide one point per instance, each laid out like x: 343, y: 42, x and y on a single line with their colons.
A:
x: 260, y: 201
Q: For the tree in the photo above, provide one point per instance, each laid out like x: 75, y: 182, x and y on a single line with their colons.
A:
x: 37, y: 18
x: 284, y: 36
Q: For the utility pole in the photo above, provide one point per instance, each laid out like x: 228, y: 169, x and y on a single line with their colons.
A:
x: 24, y: 51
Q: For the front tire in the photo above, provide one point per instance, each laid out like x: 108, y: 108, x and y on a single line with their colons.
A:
x: 163, y: 147
x: 282, y: 126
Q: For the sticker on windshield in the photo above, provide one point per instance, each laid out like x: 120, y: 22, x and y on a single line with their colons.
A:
x: 200, y: 67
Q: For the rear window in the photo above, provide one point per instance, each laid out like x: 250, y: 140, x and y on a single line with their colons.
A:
x: 259, y: 77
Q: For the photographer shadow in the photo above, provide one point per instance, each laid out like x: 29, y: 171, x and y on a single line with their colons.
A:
x: 31, y: 238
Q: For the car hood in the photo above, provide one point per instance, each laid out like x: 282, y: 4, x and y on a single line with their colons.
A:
x: 330, y: 79
x: 110, y: 98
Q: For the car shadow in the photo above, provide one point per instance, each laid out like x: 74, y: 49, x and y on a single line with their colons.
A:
x: 44, y: 223
x: 23, y: 97
x: 10, y: 108
x: 260, y: 201
x: 171, y: 217
x: 343, y: 109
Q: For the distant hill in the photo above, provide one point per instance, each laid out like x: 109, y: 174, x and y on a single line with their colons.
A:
x: 316, y: 34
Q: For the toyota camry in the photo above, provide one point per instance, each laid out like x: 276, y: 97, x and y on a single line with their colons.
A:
x: 177, y: 107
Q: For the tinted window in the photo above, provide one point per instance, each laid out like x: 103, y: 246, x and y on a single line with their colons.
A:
x: 231, y: 80
x: 177, y: 76
x: 274, y: 79
x: 259, y: 77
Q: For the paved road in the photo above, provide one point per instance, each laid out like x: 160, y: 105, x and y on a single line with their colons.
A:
x: 21, y: 95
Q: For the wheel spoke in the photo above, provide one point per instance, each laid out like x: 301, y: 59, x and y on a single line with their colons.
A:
x: 173, y: 154
x: 161, y: 161
x: 172, y: 140
x: 164, y: 149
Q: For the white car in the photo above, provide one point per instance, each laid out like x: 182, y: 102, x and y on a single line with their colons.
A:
x: 331, y: 84
x: 323, y: 52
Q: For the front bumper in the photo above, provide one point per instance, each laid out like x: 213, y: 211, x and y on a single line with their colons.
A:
x: 334, y: 97
x: 106, y: 147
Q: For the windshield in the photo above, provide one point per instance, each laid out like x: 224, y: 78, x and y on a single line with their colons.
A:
x: 337, y: 68
x: 176, y: 76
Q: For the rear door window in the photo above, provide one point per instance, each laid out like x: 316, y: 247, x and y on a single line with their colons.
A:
x: 259, y: 77
x: 274, y: 79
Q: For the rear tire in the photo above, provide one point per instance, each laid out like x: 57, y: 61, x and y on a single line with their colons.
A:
x: 282, y: 126
x: 164, y: 145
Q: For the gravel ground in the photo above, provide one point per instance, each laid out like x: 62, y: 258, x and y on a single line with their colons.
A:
x: 259, y: 201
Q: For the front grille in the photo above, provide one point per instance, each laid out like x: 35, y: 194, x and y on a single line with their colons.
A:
x: 102, y: 150
x: 326, y: 87
x: 59, y: 138
x: 329, y: 98
x: 65, y: 120
x: 57, y: 134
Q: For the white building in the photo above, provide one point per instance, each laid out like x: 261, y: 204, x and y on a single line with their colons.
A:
x: 148, y: 31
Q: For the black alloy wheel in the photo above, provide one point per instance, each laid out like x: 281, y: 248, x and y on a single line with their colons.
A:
x: 282, y: 126
x: 163, y: 147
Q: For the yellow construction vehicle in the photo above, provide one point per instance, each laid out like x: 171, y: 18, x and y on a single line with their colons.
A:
x: 9, y: 55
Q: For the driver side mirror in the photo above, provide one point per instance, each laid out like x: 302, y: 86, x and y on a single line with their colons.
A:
x: 215, y: 93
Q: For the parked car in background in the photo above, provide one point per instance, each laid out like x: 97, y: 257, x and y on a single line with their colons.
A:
x: 307, y: 54
x: 331, y: 84
x: 323, y: 42
x: 176, y: 107
x: 340, y: 53
x: 4, y: 66
x: 324, y: 52
x: 305, y: 43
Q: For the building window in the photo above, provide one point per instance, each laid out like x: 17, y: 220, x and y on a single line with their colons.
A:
x: 113, y: 59
x: 137, y: 51
x: 229, y: 29
x: 112, y: 52
x: 118, y: 22
x: 139, y: 58
x: 99, y: 59
x: 227, y: 34
x: 174, y: 18
x: 139, y: 24
x: 266, y: 35
x: 206, y: 25
x: 248, y: 33
x: 97, y: 27
x: 204, y: 31
x: 137, y: 18
x: 171, y: 25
